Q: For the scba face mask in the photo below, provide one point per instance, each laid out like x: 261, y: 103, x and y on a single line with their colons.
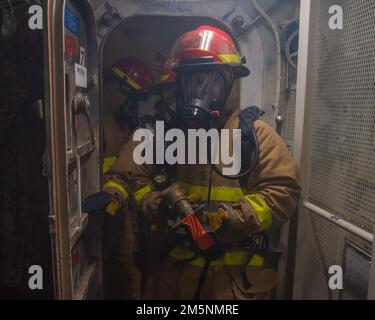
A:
x: 203, y: 95
x: 169, y: 94
x: 166, y: 107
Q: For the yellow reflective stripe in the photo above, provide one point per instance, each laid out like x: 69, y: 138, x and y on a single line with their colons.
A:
x: 153, y: 227
x: 164, y: 77
x: 123, y: 75
x: 225, y: 194
x: 230, y: 58
x: 262, y: 209
x: 108, y: 163
x: 118, y: 187
x: 235, y: 258
x: 134, y: 84
x: 119, y: 72
x: 138, y: 196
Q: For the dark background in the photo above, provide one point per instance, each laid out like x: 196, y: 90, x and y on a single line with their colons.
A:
x: 24, y: 237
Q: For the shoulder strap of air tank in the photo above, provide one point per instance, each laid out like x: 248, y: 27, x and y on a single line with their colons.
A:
x: 246, y: 124
x: 249, y: 115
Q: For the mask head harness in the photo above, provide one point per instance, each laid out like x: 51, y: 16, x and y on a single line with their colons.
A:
x: 166, y: 88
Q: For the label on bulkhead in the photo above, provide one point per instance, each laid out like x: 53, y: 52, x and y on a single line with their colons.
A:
x: 80, y: 76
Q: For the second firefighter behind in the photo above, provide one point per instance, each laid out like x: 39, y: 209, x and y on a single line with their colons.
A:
x: 127, y: 83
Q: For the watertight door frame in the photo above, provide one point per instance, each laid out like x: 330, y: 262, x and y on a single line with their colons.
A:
x: 57, y: 157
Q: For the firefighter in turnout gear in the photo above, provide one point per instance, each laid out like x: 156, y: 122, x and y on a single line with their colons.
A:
x: 128, y: 80
x: 217, y: 245
x: 127, y: 83
x: 167, y: 88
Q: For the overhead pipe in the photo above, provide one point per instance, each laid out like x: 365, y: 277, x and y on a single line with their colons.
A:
x: 278, y: 56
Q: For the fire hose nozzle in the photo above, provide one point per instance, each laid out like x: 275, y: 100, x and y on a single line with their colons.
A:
x: 177, y: 199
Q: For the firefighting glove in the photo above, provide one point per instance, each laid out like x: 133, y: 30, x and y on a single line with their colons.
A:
x: 242, y: 222
x: 101, y: 201
x: 153, y: 204
x: 218, y: 218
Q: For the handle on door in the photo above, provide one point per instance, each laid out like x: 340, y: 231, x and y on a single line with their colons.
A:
x: 279, y: 124
x: 81, y: 105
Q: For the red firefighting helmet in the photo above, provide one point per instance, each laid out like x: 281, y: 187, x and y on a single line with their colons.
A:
x: 205, y: 46
x: 167, y: 75
x: 136, y: 74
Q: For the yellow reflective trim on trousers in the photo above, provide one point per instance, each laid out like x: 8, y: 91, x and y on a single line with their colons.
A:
x: 262, y: 209
x: 138, y: 196
x: 123, y: 75
x: 224, y: 194
x: 108, y: 163
x: 235, y: 258
x: 118, y: 187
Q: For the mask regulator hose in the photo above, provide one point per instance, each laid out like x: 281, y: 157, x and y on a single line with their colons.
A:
x: 254, y: 159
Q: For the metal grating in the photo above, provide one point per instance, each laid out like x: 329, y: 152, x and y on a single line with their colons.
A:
x: 291, y: 118
x: 342, y: 176
x: 321, y: 245
x: 325, y: 244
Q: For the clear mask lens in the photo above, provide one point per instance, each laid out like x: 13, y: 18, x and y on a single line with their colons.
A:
x: 206, y: 90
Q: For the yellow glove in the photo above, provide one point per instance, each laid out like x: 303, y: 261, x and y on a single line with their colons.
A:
x: 215, y: 219
x: 112, y: 207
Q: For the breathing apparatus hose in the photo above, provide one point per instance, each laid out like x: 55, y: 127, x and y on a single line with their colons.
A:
x: 253, y: 163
